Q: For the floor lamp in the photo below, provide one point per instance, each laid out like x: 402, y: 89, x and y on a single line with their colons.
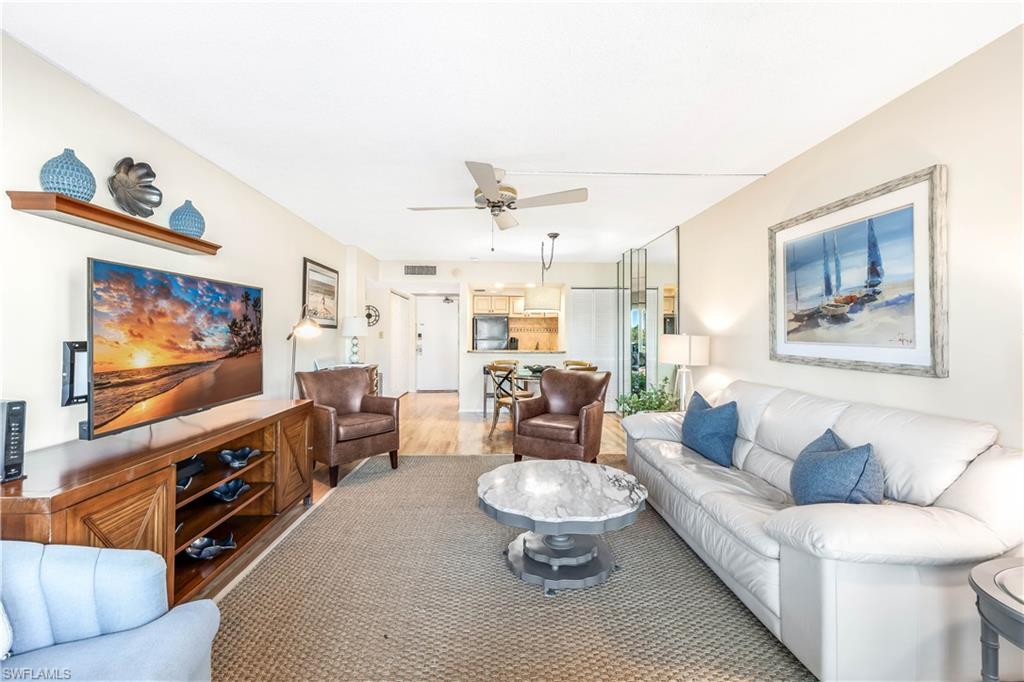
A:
x: 685, y: 351
x: 305, y: 328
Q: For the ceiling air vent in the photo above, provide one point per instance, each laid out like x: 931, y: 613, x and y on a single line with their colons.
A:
x: 421, y: 269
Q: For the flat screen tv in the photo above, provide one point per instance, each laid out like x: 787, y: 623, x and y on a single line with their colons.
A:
x: 163, y: 344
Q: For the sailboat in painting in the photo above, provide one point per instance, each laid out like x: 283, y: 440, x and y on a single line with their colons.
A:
x: 830, y: 307
x: 820, y: 271
x: 875, y: 270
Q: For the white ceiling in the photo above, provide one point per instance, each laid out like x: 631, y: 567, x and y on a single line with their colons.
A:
x: 347, y: 113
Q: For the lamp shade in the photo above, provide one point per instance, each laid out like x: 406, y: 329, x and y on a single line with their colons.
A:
x: 354, y: 326
x: 545, y: 299
x: 306, y: 328
x: 684, y: 349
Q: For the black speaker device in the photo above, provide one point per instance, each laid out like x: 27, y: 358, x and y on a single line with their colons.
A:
x: 12, y: 426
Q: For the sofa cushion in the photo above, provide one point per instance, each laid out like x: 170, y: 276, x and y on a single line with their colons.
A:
x: 363, y: 424
x: 560, y: 427
x: 751, y: 401
x: 793, y: 419
x: 744, y: 516
x: 828, y: 470
x: 711, y: 431
x: 920, y: 454
x: 695, y: 476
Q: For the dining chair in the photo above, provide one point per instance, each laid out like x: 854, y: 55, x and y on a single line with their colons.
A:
x: 506, y: 391
x: 580, y: 365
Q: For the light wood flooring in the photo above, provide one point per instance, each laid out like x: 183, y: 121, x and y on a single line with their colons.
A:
x: 431, y: 424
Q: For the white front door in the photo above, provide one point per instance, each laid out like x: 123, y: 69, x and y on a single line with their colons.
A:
x: 397, y: 378
x: 437, y: 343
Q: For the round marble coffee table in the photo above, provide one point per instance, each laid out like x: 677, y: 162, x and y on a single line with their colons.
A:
x: 565, y: 505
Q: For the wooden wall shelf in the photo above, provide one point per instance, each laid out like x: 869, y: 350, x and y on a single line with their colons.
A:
x: 83, y: 214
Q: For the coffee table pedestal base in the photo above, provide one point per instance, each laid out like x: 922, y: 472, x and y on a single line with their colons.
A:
x: 560, y: 562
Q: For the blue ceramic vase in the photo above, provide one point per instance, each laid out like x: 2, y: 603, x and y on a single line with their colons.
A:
x: 187, y: 220
x: 66, y: 175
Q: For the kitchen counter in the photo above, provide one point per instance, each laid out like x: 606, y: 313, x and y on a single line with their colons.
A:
x: 519, y: 352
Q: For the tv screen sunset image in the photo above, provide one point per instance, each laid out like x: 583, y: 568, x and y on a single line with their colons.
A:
x: 165, y: 344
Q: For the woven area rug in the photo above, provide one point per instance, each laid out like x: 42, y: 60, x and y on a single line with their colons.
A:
x: 398, y: 575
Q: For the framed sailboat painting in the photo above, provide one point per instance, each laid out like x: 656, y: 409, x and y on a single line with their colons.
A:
x: 861, y: 283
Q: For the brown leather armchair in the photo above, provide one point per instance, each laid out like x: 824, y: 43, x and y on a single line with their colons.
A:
x: 348, y: 422
x: 564, y: 421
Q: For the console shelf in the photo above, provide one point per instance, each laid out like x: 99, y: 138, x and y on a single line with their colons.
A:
x: 204, y: 515
x: 83, y: 214
x: 216, y: 474
x: 191, y: 575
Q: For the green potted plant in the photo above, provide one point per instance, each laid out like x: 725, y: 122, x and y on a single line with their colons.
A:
x: 651, y: 399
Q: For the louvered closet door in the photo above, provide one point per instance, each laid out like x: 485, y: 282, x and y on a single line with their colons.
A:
x: 591, y: 333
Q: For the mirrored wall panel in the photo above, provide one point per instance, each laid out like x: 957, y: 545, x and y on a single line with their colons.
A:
x: 648, y: 286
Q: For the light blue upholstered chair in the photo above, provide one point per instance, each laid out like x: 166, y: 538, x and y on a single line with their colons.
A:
x: 100, y: 614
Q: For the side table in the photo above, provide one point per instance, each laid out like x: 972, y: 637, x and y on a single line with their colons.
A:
x: 999, y: 585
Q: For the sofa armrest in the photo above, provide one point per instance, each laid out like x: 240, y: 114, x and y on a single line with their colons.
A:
x: 887, y: 533
x: 380, y: 405
x: 989, y: 490
x: 175, y: 646
x: 657, y: 425
x: 528, y: 409
x: 591, y: 419
x: 325, y: 432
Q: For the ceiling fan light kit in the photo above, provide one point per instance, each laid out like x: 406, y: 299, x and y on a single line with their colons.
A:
x: 501, y: 199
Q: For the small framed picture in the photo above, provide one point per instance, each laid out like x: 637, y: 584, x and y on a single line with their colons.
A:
x: 861, y: 283
x: 320, y: 293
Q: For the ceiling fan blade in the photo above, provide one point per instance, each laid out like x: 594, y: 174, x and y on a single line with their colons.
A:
x: 483, y: 174
x: 505, y: 220
x: 569, y: 196
x: 439, y: 208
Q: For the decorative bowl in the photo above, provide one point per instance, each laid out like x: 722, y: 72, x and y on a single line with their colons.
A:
x: 229, y: 492
x: 206, y: 548
x: 131, y: 185
x: 236, y: 459
x: 537, y: 369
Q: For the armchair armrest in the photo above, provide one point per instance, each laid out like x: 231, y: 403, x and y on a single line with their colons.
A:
x: 528, y: 409
x: 380, y: 405
x: 887, y: 533
x: 325, y: 431
x: 175, y: 646
x: 591, y: 419
x: 657, y: 425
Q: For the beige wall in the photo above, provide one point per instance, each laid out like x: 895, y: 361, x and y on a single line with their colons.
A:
x: 43, y: 263
x: 968, y: 118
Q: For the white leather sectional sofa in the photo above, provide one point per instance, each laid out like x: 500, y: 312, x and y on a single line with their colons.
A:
x: 857, y: 592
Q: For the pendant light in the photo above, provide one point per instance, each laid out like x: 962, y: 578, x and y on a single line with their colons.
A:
x: 544, y: 298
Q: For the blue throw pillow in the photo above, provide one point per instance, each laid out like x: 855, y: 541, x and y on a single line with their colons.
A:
x: 828, y: 470
x: 710, y: 431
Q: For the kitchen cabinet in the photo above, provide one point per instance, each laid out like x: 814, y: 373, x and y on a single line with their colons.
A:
x: 517, y: 304
x: 491, y: 305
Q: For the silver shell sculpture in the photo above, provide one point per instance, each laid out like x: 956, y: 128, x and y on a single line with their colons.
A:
x: 131, y: 185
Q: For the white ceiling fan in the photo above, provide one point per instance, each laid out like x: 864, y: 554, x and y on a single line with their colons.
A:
x: 501, y: 199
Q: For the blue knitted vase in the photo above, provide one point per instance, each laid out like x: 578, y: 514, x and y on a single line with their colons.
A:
x: 66, y: 175
x: 187, y: 220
